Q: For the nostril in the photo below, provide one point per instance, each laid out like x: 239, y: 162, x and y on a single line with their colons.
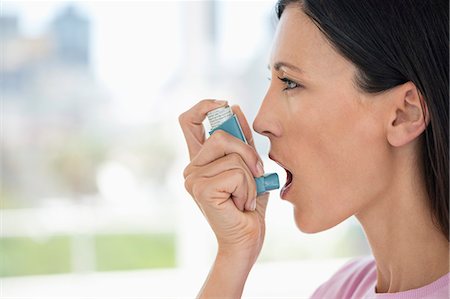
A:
x: 265, y: 133
x: 267, y: 127
x: 267, y: 124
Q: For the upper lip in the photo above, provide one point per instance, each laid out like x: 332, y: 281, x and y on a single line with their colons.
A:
x: 271, y: 157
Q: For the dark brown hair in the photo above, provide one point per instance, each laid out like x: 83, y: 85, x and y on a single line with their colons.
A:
x: 391, y: 43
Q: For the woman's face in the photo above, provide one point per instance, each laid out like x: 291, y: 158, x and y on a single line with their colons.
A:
x: 322, y: 129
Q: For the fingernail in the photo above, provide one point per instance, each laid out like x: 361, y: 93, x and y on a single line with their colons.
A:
x: 253, y: 207
x: 220, y: 102
x: 260, y: 168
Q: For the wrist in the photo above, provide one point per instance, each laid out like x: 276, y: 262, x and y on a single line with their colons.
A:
x: 243, y: 258
x: 228, y: 275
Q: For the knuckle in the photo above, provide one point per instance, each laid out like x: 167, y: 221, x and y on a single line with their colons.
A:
x: 240, y: 174
x: 199, y: 190
x: 188, y: 184
x: 234, y: 158
x: 196, y: 187
x: 181, y: 118
x: 187, y: 171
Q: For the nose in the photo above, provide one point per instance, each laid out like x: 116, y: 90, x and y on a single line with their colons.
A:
x: 267, y: 121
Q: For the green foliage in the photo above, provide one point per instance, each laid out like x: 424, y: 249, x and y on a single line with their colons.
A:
x: 123, y: 252
x: 27, y: 256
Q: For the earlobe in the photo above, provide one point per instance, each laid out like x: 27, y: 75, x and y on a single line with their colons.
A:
x: 409, y: 115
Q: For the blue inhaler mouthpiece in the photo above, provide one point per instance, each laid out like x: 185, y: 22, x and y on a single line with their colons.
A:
x: 223, y: 119
x: 267, y: 182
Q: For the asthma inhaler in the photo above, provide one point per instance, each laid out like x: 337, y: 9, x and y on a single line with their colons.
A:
x: 223, y: 119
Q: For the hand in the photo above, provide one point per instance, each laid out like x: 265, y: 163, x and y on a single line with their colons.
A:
x: 220, y: 178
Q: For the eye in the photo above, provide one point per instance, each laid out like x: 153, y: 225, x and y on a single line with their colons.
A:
x: 289, y: 83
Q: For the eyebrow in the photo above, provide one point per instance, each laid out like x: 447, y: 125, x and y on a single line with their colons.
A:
x: 278, y: 65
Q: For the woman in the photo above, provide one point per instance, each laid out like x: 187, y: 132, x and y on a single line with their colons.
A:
x: 357, y: 114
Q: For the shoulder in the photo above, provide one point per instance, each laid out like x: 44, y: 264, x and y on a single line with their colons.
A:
x: 354, y: 279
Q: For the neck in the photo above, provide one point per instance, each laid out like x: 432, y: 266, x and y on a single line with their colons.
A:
x: 409, y: 250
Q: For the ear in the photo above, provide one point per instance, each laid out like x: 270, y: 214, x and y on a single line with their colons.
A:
x: 409, y: 116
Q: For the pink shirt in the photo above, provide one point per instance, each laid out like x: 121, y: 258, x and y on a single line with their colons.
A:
x: 358, y: 278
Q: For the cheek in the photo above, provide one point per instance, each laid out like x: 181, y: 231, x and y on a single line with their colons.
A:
x: 341, y: 165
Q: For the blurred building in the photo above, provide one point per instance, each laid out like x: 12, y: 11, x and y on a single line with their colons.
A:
x: 9, y: 27
x: 49, y: 98
x: 71, y: 34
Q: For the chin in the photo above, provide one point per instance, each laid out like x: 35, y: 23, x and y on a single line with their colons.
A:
x: 311, y: 225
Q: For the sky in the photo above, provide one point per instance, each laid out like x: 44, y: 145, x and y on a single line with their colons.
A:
x: 137, y: 46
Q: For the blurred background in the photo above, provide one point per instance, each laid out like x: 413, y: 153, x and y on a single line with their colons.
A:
x: 92, y: 193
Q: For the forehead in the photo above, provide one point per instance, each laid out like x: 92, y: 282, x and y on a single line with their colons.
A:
x: 300, y: 42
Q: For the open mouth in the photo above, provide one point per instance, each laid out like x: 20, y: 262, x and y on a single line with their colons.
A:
x: 289, y: 178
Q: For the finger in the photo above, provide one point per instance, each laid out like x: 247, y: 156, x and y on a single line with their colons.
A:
x: 221, y: 144
x: 244, y: 124
x: 191, y: 123
x: 261, y: 204
x: 229, y: 162
x: 218, y: 190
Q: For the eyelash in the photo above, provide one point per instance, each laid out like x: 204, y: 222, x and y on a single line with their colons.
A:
x: 287, y: 82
